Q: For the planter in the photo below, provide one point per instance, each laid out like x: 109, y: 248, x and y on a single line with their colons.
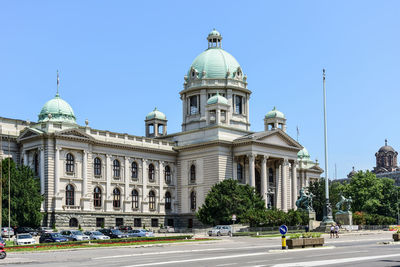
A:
x: 313, y: 242
x: 396, y: 237
x: 295, y: 243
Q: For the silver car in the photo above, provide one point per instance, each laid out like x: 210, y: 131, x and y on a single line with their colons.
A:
x: 74, y: 235
x: 96, y: 235
x: 220, y: 230
x: 6, y: 231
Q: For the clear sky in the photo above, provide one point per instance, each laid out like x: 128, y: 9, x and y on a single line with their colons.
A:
x: 120, y: 59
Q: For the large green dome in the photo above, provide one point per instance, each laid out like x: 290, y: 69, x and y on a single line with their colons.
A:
x: 216, y: 63
x: 59, y: 110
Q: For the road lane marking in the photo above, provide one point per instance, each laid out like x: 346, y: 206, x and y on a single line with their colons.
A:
x: 178, y: 251
x: 334, y: 261
x: 198, y: 259
x: 225, y: 264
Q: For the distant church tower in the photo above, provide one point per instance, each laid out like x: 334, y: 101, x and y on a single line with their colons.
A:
x: 386, y: 159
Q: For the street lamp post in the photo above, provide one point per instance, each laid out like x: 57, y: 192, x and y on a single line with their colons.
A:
x: 328, y: 218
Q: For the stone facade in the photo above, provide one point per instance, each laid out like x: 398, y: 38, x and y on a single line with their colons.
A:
x: 103, y: 178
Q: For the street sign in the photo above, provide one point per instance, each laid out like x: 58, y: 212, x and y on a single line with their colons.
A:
x: 283, y: 229
x: 233, y: 217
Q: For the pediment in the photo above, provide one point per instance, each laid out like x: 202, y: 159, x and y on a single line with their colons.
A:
x: 317, y: 168
x: 28, y: 133
x: 277, y: 138
x: 74, y: 133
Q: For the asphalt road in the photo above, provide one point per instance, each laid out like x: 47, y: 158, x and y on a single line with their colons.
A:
x: 348, y: 250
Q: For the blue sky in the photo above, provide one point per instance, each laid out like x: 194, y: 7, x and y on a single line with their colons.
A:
x: 120, y: 59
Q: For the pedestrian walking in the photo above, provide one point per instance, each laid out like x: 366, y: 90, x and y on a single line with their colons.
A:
x: 332, y: 231
x: 337, y: 231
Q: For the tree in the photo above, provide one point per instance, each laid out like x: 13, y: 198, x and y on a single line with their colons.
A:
x: 25, y: 195
x: 227, y: 198
x: 317, y: 188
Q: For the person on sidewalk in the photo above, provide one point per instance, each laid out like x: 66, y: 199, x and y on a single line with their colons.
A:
x: 337, y: 231
x: 332, y: 231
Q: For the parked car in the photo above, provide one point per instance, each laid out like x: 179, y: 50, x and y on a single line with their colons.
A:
x: 113, y: 233
x: 74, y: 235
x: 124, y: 228
x: 6, y: 230
x: 24, y: 239
x: 96, y: 235
x: 220, y: 230
x: 140, y: 233
x: 52, y: 237
x: 166, y: 229
x: 42, y: 230
x: 26, y: 230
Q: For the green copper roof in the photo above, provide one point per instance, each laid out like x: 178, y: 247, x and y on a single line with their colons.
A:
x: 216, y: 63
x: 275, y: 114
x: 303, y: 154
x: 217, y: 99
x: 214, y: 32
x: 59, y: 109
x: 155, y: 114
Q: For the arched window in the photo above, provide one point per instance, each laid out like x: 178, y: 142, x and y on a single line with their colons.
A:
x: 239, y: 172
x: 116, y: 198
x: 69, y: 195
x: 152, y: 200
x: 73, y: 222
x: 167, y: 200
x: 193, y: 173
x: 193, y: 200
x: 167, y: 174
x: 151, y: 172
x: 116, y: 168
x: 35, y: 163
x: 134, y: 170
x: 97, y: 166
x: 97, y: 197
x: 69, y: 166
x: 135, y: 199
x: 271, y: 176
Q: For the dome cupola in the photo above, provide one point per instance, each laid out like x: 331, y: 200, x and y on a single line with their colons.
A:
x: 274, y: 113
x: 156, y: 123
x: 156, y: 114
x: 275, y: 120
x: 303, y: 154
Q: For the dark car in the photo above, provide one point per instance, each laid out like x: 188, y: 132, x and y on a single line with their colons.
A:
x: 124, y: 228
x: 26, y: 230
x: 113, y: 233
x: 52, y: 237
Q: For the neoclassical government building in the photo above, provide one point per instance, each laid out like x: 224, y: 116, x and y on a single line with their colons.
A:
x: 99, y: 178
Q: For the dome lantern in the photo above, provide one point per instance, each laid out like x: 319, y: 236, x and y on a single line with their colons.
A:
x: 156, y: 123
x: 214, y: 39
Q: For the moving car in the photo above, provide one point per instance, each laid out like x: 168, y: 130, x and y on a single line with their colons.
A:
x: 96, y: 235
x: 74, y: 235
x: 140, y: 233
x: 52, y: 237
x: 24, y: 239
x: 113, y: 233
x: 6, y: 230
x: 220, y: 230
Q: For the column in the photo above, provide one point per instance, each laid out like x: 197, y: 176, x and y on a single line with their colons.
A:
x: 284, y: 184
x: 145, y: 204
x: 278, y: 183
x: 108, y: 177
x: 294, y: 184
x: 217, y: 116
x: 127, y: 178
x: 26, y: 163
x: 234, y: 167
x: 161, y: 179
x: 41, y: 170
x: 264, y: 183
x: 84, y: 173
x: 252, y: 178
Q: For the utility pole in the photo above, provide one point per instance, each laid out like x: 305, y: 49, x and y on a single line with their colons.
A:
x: 9, y: 180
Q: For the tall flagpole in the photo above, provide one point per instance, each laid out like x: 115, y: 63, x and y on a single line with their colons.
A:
x: 9, y: 180
x: 328, y: 218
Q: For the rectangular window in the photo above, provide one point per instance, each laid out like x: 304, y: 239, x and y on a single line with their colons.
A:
x: 190, y: 223
x: 100, y: 222
x: 170, y: 222
x: 137, y: 222
x: 238, y: 104
x: 154, y: 222
x: 194, y: 105
x: 119, y: 221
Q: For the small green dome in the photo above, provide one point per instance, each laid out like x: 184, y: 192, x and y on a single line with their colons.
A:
x: 275, y: 114
x: 59, y: 110
x: 214, y: 32
x: 155, y: 114
x: 217, y: 99
x: 303, y: 154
